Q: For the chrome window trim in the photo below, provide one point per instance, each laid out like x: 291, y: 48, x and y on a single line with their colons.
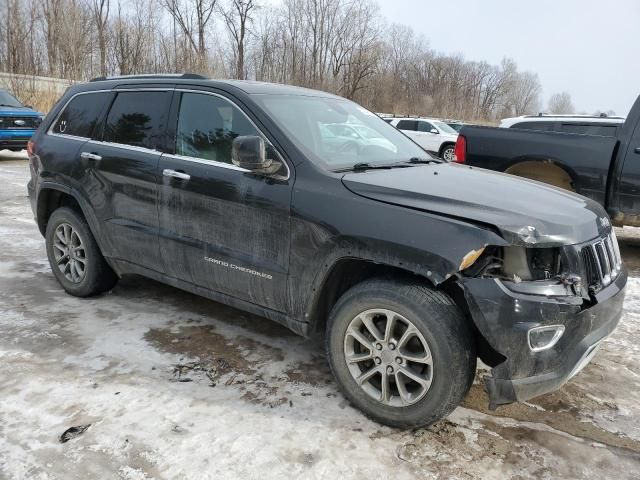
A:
x: 203, y: 161
x: 227, y: 165
x: 125, y: 146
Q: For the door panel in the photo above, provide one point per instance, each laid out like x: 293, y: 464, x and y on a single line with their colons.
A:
x: 222, y: 227
x: 629, y: 187
x: 122, y: 175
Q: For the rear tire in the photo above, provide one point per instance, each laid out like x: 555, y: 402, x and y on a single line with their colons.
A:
x: 417, y: 393
x: 74, y: 255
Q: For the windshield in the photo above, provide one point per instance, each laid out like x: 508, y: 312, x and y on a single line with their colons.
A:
x: 338, y: 133
x: 8, y: 100
x: 444, y: 128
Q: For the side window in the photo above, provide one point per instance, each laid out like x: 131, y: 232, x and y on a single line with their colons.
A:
x: 590, y: 129
x: 425, y: 127
x: 137, y: 119
x: 81, y: 116
x: 407, y: 125
x: 207, y: 125
x: 543, y: 126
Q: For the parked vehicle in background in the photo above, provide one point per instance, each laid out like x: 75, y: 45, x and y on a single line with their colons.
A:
x: 411, y: 267
x: 344, y: 136
x: 605, y: 168
x: 455, y: 124
x: 582, y: 124
x: 17, y: 122
x: 432, y: 134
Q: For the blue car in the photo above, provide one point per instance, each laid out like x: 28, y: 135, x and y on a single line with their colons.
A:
x: 17, y: 122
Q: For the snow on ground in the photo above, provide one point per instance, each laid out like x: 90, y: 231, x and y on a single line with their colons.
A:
x: 176, y: 386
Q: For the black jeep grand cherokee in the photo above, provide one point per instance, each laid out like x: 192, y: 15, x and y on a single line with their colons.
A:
x: 248, y: 193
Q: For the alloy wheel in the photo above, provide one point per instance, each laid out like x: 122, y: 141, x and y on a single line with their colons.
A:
x: 388, y: 357
x: 69, y: 253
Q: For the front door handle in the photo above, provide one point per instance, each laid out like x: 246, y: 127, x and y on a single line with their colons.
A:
x: 637, y: 150
x: 173, y: 174
x: 90, y: 156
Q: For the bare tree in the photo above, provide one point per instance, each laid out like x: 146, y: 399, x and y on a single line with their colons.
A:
x: 237, y: 16
x: 100, y: 12
x: 193, y: 17
x: 561, y: 103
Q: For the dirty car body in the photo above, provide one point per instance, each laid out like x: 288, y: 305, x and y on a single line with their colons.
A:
x: 516, y: 256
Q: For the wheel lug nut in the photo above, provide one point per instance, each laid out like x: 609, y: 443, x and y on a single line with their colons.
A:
x: 379, y: 346
x: 398, y: 360
x: 389, y: 369
x: 392, y: 346
x: 378, y: 361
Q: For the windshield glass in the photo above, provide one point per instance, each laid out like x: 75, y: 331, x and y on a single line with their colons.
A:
x: 8, y: 100
x: 338, y: 133
x: 444, y: 128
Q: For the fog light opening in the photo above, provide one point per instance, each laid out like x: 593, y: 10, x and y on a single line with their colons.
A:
x: 543, y: 338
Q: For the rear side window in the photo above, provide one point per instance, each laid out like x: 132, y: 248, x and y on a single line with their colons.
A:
x: 138, y: 119
x: 544, y: 126
x: 207, y: 125
x: 607, y: 130
x: 81, y: 115
x: 407, y: 125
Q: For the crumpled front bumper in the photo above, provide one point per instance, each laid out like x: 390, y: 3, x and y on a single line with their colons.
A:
x: 504, y: 317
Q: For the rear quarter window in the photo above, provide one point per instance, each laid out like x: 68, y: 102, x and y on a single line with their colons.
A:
x: 605, y: 130
x: 81, y: 116
x: 543, y: 126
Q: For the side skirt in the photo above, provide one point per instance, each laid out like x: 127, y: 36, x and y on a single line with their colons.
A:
x: 125, y: 267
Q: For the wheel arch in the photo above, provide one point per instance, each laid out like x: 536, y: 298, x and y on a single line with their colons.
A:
x: 52, y: 196
x: 340, y: 276
x: 546, y: 170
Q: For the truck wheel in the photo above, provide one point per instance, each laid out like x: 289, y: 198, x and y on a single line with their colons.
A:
x: 74, y: 256
x: 448, y: 153
x: 401, y: 352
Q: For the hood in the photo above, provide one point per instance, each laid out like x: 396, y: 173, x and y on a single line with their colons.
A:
x: 526, y: 212
x: 22, y: 111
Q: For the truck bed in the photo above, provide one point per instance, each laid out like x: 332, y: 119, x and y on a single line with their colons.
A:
x: 586, y: 158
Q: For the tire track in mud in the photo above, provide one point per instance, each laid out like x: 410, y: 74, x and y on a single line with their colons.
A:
x: 563, y: 419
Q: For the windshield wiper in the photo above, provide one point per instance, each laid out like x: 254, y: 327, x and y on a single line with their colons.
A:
x: 361, y: 167
x: 417, y: 160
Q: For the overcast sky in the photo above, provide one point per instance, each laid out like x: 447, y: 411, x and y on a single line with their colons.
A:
x: 589, y: 48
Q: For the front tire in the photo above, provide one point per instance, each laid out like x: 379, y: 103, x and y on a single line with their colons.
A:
x: 400, y: 351
x: 448, y: 153
x: 74, y: 255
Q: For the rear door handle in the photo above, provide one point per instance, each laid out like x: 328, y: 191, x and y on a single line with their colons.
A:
x: 173, y: 174
x: 90, y: 156
x: 637, y: 150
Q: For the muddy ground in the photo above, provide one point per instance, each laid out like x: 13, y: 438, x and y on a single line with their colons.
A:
x: 176, y: 386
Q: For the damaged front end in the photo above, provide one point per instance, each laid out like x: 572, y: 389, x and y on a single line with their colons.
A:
x: 543, y: 310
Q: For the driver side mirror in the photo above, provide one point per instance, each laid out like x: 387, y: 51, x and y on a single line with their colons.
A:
x: 433, y: 130
x: 250, y: 152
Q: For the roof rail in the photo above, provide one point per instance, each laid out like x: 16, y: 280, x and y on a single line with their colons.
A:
x: 184, y: 76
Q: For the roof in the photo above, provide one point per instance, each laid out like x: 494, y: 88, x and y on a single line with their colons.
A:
x: 507, y: 122
x: 249, y: 87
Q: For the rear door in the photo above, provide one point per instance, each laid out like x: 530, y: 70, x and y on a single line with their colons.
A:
x: 410, y: 129
x: 222, y: 227
x: 121, y: 165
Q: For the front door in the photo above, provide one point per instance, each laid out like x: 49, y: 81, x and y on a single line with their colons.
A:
x: 122, y: 175
x: 629, y: 186
x: 222, y: 227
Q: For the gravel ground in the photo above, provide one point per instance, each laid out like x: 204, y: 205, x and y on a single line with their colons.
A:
x: 176, y: 386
